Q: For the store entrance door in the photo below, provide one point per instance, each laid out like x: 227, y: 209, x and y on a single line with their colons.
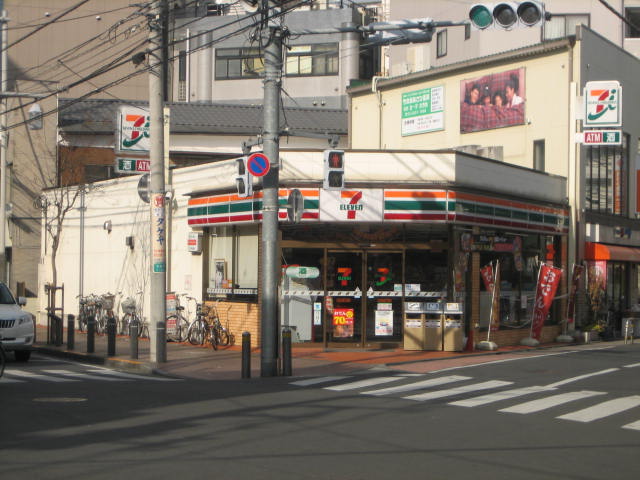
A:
x: 364, y: 298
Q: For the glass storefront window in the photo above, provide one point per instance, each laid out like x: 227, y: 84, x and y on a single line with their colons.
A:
x: 233, y: 260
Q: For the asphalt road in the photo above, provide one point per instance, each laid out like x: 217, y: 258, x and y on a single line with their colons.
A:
x: 555, y: 415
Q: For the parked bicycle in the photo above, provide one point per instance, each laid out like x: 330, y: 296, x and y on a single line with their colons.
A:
x: 104, y: 311
x: 129, y: 316
x: 204, y: 330
x: 178, y: 323
x: 88, y: 309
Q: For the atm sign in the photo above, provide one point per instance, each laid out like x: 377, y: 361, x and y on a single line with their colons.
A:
x: 132, y: 165
x: 602, y: 137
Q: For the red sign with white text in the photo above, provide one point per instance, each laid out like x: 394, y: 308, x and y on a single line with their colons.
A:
x: 548, y: 281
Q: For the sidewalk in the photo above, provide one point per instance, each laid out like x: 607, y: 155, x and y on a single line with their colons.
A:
x: 204, y: 363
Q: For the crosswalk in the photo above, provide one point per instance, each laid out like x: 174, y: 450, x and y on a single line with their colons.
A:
x: 75, y: 373
x: 465, y: 391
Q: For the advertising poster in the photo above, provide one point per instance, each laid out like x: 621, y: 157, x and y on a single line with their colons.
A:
x: 548, y: 281
x: 343, y: 322
x: 492, y: 101
x: 384, y: 323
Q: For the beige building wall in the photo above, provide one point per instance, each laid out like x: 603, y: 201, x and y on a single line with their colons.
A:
x: 376, y: 116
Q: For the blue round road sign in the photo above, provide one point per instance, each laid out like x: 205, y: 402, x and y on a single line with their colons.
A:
x: 258, y: 164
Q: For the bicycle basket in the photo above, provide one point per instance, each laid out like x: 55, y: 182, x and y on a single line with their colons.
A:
x: 107, y: 301
x: 128, y: 305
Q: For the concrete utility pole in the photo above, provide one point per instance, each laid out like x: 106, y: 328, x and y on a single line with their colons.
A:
x: 4, y: 144
x: 269, y: 238
x: 157, y: 327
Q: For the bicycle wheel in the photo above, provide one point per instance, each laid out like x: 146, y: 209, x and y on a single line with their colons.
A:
x: 213, y: 338
x: 224, y: 338
x: 182, y: 327
x: 196, y: 333
x: 2, y: 360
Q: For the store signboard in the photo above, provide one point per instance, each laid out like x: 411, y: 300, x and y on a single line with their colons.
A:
x: 133, y: 130
x: 365, y: 205
x: 384, y: 323
x: 343, y: 322
x: 423, y: 111
x: 603, y: 104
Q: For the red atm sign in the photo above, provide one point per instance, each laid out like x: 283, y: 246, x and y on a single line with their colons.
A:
x: 601, y: 137
x: 132, y: 165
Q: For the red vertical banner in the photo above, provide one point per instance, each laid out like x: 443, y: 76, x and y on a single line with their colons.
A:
x: 487, y: 276
x: 548, y: 281
x: 578, y: 271
x: 495, y: 299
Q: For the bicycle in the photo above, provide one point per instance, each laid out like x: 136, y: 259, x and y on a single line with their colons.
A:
x: 178, y: 322
x: 222, y: 335
x: 88, y: 309
x: 105, y: 312
x: 199, y: 329
x: 130, y: 315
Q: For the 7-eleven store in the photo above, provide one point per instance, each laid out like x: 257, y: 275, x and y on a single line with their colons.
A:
x: 360, y: 265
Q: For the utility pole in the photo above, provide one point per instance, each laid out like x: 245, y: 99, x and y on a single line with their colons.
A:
x: 4, y: 144
x: 158, y: 267
x: 269, y: 238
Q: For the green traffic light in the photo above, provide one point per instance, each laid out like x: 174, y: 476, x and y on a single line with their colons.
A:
x: 480, y: 16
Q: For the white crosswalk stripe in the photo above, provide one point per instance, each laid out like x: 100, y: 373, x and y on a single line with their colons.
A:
x: 550, y: 402
x: 432, y: 382
x: 632, y: 426
x: 420, y: 397
x: 36, y: 376
x: 84, y: 376
x: 369, y: 382
x: 602, y: 410
x: 131, y: 376
x: 317, y: 380
x: 498, y: 396
x: 6, y: 379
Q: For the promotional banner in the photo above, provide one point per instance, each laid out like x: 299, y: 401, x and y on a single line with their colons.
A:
x: 487, y: 277
x: 495, y: 301
x: 578, y: 270
x: 548, y: 281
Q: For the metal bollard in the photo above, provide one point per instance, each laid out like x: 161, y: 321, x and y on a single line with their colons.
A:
x: 111, y: 337
x: 71, y: 332
x: 246, y: 355
x: 91, y: 334
x: 133, y: 339
x: 286, y: 352
x: 59, y: 330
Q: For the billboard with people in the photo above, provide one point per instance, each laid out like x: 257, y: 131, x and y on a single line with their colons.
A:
x: 492, y: 101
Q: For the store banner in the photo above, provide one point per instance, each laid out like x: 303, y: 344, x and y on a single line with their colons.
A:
x: 487, y: 276
x: 596, y: 282
x: 495, y: 300
x: 578, y: 271
x: 548, y: 281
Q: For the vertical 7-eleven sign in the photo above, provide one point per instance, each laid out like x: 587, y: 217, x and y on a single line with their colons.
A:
x: 361, y: 205
x: 132, y: 130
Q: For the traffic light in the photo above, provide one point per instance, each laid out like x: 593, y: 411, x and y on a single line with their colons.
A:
x: 507, y: 15
x: 333, y: 170
x: 244, y: 182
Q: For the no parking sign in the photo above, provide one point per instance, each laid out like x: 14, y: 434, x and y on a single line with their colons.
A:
x: 258, y: 164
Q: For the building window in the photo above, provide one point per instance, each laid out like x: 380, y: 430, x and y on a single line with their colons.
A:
x: 606, y: 174
x: 307, y: 60
x: 538, y: 155
x: 632, y: 25
x: 233, y: 260
x: 560, y: 26
x: 238, y: 63
x: 467, y: 31
x: 441, y: 43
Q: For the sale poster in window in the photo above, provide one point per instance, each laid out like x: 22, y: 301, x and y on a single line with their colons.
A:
x: 384, y: 322
x: 343, y: 322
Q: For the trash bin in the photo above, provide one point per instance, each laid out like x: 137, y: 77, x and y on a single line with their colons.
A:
x: 413, y: 326
x: 433, y: 326
x: 453, y: 327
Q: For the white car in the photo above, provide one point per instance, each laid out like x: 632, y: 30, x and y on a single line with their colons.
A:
x: 17, y: 328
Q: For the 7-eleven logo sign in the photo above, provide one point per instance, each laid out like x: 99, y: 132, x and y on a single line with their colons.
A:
x: 603, y: 104
x: 133, y: 130
x: 364, y: 205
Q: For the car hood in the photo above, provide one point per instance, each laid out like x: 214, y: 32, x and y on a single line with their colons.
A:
x: 8, y: 312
